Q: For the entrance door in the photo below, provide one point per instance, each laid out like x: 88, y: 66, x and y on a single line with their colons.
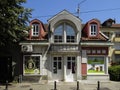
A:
x: 71, y: 69
x: 57, y: 68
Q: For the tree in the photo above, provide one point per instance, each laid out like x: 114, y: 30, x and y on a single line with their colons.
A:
x: 14, y: 18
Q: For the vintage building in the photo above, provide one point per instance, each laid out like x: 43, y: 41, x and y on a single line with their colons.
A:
x: 95, y: 49
x: 111, y: 29
x: 63, y: 50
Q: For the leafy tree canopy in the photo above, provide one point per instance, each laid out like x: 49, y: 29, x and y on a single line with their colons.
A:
x: 14, y: 18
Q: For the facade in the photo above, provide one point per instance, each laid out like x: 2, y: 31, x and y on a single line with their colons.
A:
x: 65, y: 50
x: 112, y: 30
x: 95, y: 48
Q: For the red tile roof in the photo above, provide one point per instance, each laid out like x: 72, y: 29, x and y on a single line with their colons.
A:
x: 101, y: 37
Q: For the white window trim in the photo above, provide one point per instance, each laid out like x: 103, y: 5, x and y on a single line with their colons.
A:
x: 64, y: 34
x: 95, y: 31
x: 105, y: 64
x: 35, y: 30
x: 39, y: 66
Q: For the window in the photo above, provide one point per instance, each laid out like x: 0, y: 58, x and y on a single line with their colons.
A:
x: 93, y: 51
x: 64, y: 33
x: 117, y: 34
x: 88, y: 51
x: 96, y: 65
x: 31, y: 65
x: 71, y: 64
x: 117, y: 58
x: 70, y: 34
x: 93, y: 29
x: 103, y: 51
x: 98, y: 51
x: 57, y: 64
x: 58, y: 34
x: 35, y: 29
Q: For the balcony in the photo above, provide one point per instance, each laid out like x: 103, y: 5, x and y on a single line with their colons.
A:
x: 117, y: 39
x: 117, y: 51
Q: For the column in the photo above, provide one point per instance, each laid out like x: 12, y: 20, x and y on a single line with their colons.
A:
x: 106, y: 64
x: 64, y: 68
x: 78, y: 71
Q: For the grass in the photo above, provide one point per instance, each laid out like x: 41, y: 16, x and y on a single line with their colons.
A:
x: 94, y: 71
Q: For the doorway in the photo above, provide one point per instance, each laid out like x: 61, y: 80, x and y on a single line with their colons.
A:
x: 57, y: 68
x: 71, y: 68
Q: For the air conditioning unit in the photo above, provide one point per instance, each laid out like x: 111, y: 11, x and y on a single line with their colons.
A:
x: 27, y: 48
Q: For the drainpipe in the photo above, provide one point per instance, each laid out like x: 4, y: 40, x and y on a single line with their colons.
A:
x: 47, y: 50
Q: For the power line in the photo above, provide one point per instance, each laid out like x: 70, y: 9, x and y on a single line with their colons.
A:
x: 82, y: 2
x: 78, y: 9
x: 90, y: 11
x: 50, y: 15
x: 112, y: 9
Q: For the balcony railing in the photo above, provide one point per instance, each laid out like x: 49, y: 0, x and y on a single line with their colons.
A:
x: 62, y: 48
x: 117, y: 39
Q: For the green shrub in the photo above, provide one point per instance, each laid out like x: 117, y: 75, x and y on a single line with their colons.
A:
x: 114, y: 72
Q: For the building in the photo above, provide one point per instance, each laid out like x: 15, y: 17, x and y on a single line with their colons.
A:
x: 65, y: 50
x: 112, y: 30
x: 95, y: 48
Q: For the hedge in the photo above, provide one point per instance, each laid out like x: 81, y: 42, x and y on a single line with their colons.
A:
x: 114, y: 72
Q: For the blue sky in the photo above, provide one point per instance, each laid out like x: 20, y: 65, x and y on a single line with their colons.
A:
x: 45, y: 9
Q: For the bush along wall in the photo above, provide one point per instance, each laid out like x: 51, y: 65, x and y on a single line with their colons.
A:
x: 114, y: 72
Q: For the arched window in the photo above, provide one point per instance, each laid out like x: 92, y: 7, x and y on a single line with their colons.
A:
x: 70, y: 34
x: 64, y: 33
x: 58, y: 34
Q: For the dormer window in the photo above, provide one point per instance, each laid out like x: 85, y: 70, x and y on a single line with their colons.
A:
x: 35, y: 29
x: 93, y: 29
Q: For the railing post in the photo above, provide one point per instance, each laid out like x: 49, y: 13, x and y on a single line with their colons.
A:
x: 6, y: 86
x: 55, y: 87
x: 77, y: 85
x: 31, y: 89
x: 98, y: 85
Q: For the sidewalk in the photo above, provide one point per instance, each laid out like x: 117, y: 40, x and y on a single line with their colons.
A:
x: 83, y: 85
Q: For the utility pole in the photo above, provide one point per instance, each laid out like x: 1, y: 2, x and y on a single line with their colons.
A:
x: 78, y: 10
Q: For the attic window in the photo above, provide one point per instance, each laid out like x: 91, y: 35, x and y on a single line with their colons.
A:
x: 93, y: 29
x: 35, y: 29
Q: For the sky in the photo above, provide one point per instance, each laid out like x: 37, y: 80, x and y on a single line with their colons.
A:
x: 89, y: 9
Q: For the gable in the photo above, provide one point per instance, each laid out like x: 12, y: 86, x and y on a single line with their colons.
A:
x: 63, y: 15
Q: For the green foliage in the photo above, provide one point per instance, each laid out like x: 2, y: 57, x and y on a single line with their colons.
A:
x: 114, y: 72
x: 14, y: 20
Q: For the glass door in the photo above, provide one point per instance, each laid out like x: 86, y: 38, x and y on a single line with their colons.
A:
x: 71, y: 68
x: 57, y: 68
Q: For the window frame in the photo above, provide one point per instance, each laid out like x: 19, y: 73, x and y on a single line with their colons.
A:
x: 71, y: 63
x: 93, y: 29
x: 35, y: 30
x: 57, y: 64
x: 40, y: 65
x: 103, y: 64
x: 64, y: 34
x: 72, y: 36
